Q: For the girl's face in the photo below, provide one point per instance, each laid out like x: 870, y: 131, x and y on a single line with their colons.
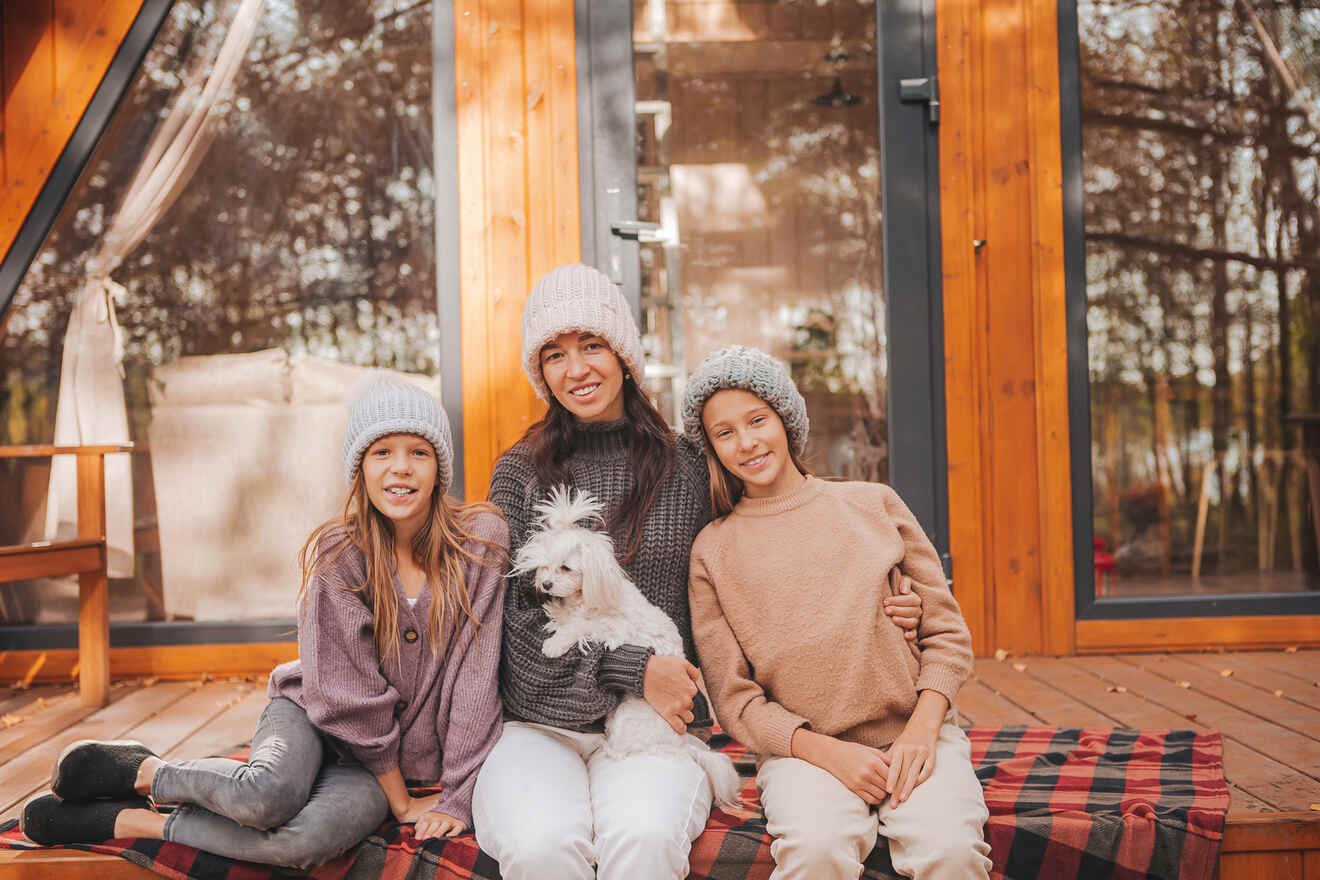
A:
x: 749, y: 439
x: 585, y: 375
x: 399, y: 472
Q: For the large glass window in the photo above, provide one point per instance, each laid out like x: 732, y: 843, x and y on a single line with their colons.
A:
x: 1201, y: 166
x: 299, y: 251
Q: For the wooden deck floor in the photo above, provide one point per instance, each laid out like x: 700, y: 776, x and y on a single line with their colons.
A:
x: 1266, y: 705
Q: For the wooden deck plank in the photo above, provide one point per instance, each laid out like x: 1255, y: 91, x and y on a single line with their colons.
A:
x: 1303, y: 664
x: 30, y: 771
x: 1052, y: 705
x: 1253, y: 700
x: 1270, y: 777
x: 62, y: 864
x: 1250, y: 669
x: 58, y: 715
x: 20, y: 701
x: 981, y: 705
x: 232, y: 727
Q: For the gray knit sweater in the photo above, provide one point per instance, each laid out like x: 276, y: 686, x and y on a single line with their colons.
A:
x: 577, y: 690
x: 435, y: 718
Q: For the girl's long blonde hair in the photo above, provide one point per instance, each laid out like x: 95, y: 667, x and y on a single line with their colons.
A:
x: 437, y: 549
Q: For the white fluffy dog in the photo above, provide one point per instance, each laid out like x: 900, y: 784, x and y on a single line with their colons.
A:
x: 590, y: 600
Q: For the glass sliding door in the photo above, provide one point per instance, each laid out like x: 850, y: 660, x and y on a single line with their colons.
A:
x: 749, y: 207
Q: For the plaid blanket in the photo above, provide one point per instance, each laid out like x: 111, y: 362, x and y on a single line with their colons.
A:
x: 1064, y: 802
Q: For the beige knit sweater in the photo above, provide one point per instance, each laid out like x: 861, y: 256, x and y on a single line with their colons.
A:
x: 787, y: 613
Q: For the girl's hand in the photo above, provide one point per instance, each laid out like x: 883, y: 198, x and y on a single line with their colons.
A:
x: 669, y: 686
x: 912, y: 755
x: 904, y: 609
x: 861, y: 768
x: 434, y: 824
x: 415, y: 809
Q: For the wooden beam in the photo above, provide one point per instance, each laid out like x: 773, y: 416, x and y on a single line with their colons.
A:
x: 45, y: 450
x: 1246, y: 832
x: 1197, y: 633
x: 171, y: 662
x: 93, y: 587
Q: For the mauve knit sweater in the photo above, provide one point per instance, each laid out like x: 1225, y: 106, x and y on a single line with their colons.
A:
x: 577, y: 690
x: 434, y: 716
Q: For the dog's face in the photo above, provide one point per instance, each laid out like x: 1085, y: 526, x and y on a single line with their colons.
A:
x: 569, y: 562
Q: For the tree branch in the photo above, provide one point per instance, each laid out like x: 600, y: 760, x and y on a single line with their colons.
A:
x: 1195, y: 253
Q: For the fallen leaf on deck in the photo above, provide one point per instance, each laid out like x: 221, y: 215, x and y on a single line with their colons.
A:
x: 1020, y: 667
x: 1000, y: 655
x: 1315, y: 806
x: 1278, y: 693
x: 1225, y: 673
x: 11, y: 720
x: 1290, y: 650
x: 1184, y: 684
x: 148, y: 682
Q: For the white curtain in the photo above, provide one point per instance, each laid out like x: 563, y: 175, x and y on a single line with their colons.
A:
x: 90, y: 407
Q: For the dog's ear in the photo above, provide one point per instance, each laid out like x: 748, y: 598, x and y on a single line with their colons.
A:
x: 601, y: 573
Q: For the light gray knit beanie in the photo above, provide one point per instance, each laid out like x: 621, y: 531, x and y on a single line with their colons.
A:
x: 750, y: 369
x: 380, y: 405
x: 578, y: 298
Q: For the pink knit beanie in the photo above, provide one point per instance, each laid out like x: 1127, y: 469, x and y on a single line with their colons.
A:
x: 577, y: 298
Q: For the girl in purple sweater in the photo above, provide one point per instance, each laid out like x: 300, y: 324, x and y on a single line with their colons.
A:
x: 395, y: 688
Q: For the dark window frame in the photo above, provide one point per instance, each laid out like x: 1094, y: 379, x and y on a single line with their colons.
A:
x: 59, y: 186
x: 1088, y: 605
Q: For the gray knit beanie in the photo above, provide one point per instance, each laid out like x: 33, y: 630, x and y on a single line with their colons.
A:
x: 751, y: 370
x: 380, y: 405
x: 579, y: 298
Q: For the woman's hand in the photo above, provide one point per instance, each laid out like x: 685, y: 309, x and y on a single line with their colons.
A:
x: 669, y: 685
x: 862, y: 769
x: 912, y: 755
x: 435, y: 824
x: 904, y: 609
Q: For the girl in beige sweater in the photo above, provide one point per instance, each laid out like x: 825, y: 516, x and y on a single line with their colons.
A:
x: 787, y: 588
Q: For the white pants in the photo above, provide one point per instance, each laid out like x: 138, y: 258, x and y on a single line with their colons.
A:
x: 823, y: 831
x: 549, y: 805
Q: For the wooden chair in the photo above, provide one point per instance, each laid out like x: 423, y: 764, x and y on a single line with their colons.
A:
x: 84, y: 556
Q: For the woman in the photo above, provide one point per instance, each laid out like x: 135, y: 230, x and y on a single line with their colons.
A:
x: 548, y: 804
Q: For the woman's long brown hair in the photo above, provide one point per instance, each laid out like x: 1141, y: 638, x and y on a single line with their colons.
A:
x: 650, y: 451
x: 437, y: 548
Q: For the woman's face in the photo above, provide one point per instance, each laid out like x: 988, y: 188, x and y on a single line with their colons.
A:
x: 584, y: 375
x: 750, y: 441
x: 399, y: 472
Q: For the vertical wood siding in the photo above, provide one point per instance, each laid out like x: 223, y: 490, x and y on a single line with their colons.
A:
x: 53, y: 55
x: 518, y: 200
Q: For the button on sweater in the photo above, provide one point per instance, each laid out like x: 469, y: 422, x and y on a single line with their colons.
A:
x: 577, y: 690
x: 787, y: 610
x: 434, y: 715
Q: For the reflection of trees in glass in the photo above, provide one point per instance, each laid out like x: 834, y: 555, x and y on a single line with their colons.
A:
x: 1202, y: 173
x: 307, y: 226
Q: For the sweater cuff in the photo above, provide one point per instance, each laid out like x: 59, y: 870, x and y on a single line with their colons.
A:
x: 777, y: 732
x: 624, y: 669
x: 946, y: 680
x: 377, y: 761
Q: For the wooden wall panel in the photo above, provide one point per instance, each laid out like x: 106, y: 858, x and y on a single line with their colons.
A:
x: 53, y: 55
x: 518, y: 200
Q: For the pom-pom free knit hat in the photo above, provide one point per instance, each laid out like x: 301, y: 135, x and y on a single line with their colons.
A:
x: 750, y: 369
x: 577, y: 297
x: 380, y: 405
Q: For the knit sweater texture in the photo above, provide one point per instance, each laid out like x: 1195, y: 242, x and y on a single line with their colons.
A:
x: 434, y: 715
x: 576, y: 691
x: 787, y: 606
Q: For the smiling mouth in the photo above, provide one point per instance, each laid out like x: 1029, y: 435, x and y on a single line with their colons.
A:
x: 400, y: 491
x: 585, y: 391
x: 754, y: 463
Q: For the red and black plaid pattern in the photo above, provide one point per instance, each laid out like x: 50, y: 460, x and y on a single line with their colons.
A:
x: 1064, y: 802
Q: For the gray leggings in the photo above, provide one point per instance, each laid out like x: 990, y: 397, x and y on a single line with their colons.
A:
x: 281, y: 807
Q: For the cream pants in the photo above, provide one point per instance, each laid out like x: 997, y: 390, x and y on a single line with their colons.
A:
x: 548, y: 805
x: 823, y: 831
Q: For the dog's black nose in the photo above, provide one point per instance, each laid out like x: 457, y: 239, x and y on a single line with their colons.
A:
x: 546, y: 585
